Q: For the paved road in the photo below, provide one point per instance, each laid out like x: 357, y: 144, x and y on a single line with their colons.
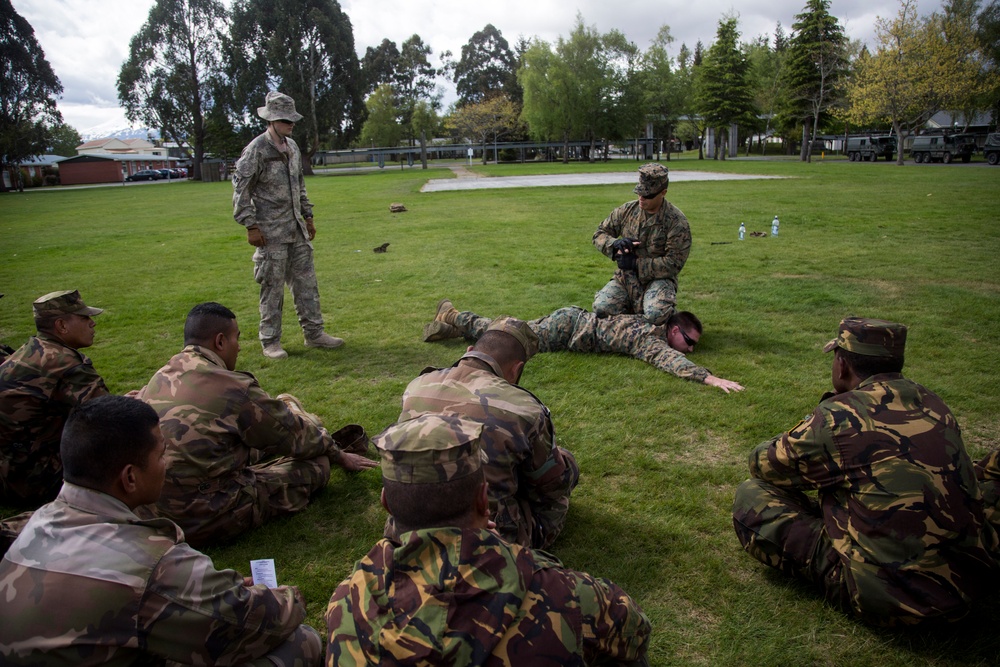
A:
x: 548, y: 180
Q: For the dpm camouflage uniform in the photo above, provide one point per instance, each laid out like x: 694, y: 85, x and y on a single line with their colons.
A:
x: 216, y: 423
x: 530, y: 478
x: 270, y: 193
x: 448, y: 596
x: 898, y: 535
x: 39, y: 385
x: 988, y: 473
x: 664, y: 244
x: 89, y: 583
x: 576, y: 330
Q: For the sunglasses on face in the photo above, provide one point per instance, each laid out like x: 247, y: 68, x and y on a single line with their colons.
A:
x: 687, y: 339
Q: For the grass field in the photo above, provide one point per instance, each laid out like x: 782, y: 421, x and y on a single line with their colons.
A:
x: 660, y: 457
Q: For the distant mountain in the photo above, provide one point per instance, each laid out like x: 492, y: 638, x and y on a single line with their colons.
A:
x: 116, y: 129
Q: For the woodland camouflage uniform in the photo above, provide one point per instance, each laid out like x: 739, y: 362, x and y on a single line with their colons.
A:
x: 898, y: 535
x: 988, y: 472
x: 132, y: 592
x: 459, y: 596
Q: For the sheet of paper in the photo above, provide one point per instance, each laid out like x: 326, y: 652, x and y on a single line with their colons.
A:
x: 263, y: 572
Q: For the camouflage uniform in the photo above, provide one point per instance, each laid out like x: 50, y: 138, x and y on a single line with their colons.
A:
x: 576, y: 330
x: 270, y: 193
x: 898, y: 535
x: 39, y: 385
x: 464, y: 596
x: 218, y: 422
x: 988, y: 473
x: 664, y: 244
x: 530, y: 478
x: 89, y: 583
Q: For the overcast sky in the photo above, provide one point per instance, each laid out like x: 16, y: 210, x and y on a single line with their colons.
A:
x: 86, y: 41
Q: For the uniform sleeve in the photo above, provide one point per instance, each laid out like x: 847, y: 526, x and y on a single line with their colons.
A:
x: 550, y: 477
x: 678, y: 248
x: 244, y: 181
x: 195, y: 614
x: 988, y: 469
x: 79, y: 384
x: 803, y: 458
x: 614, y: 626
x: 304, y: 203
x: 268, y: 425
x: 608, y: 232
x: 655, y: 350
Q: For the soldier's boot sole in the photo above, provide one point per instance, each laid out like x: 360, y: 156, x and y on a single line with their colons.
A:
x: 435, y: 331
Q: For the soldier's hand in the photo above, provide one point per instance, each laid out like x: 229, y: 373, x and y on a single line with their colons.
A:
x: 356, y: 462
x: 623, y: 245
x: 723, y: 384
x: 626, y: 261
x: 310, y: 228
x: 255, y: 238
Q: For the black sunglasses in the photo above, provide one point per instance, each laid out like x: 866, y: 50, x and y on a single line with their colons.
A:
x: 687, y: 339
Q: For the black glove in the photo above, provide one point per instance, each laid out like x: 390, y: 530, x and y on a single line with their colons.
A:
x: 626, y: 261
x: 622, y: 245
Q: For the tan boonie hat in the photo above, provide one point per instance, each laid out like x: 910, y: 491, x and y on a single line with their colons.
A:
x: 278, y: 106
x: 66, y: 302
x: 520, y: 330
x: 430, y: 449
x: 652, y: 179
x: 872, y: 338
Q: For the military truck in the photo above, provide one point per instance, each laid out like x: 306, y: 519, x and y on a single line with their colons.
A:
x: 991, y: 149
x: 943, y: 148
x: 870, y: 148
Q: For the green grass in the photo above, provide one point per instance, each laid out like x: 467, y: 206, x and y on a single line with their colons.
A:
x: 660, y: 457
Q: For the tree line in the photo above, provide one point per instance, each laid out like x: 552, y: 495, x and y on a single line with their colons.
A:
x: 197, y: 71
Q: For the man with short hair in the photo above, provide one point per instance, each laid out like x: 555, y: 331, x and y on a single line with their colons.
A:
x: 39, y: 384
x: 270, y: 200
x: 530, y: 478
x: 649, y: 239
x: 90, y: 583
x: 577, y: 330
x: 451, y: 591
x: 223, y: 435
x: 898, y: 536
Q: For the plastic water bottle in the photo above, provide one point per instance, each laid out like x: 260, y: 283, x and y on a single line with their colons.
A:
x: 774, y: 226
x: 743, y: 231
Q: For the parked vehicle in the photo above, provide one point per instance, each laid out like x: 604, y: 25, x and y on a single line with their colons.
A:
x: 991, y: 149
x: 145, y: 175
x: 166, y: 173
x: 870, y: 148
x: 943, y: 148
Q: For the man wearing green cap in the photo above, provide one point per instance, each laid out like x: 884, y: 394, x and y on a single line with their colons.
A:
x: 530, y: 477
x: 898, y: 536
x: 450, y: 591
x: 39, y: 384
x: 649, y: 239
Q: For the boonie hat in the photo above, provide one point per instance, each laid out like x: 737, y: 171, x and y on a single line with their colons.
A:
x: 872, y: 338
x: 520, y: 330
x: 430, y: 449
x: 653, y: 178
x: 66, y: 302
x: 278, y: 106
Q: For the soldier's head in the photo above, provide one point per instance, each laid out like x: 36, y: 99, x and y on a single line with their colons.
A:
x: 113, y: 444
x: 683, y: 331
x: 865, y: 347
x: 64, y: 316
x: 432, y: 473
x: 652, y: 186
x: 279, y: 112
x: 213, y: 326
x: 510, y: 342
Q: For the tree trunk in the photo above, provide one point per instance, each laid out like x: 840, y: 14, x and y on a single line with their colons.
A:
x: 898, y: 129
x: 423, y: 149
x: 565, y: 148
x: 804, y: 150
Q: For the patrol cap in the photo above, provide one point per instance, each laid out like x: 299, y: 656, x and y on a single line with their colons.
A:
x: 66, y: 302
x: 520, y: 330
x: 652, y: 179
x: 430, y: 449
x: 872, y: 338
x: 278, y: 106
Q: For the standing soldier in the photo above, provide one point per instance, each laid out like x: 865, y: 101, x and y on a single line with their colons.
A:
x: 39, y: 384
x: 649, y: 239
x: 269, y: 199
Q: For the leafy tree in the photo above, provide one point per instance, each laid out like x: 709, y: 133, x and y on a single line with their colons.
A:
x: 815, y: 69
x: 988, y: 34
x: 492, y: 119
x: 28, y: 90
x: 63, y: 139
x: 487, y: 67
x: 379, y: 65
x: 548, y: 92
x: 414, y: 80
x: 424, y: 121
x: 382, y: 127
x: 723, y: 89
x: 766, y: 66
x: 173, y: 66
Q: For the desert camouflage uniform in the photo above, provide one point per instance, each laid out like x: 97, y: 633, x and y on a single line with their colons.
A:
x: 576, y: 330
x: 217, y: 424
x: 270, y: 193
x: 664, y: 244
x: 447, y: 596
x: 530, y: 478
x: 89, y: 583
x: 898, y: 535
x: 39, y: 385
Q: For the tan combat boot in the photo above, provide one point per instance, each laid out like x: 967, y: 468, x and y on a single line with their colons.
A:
x: 325, y: 340
x: 435, y: 331
x: 274, y: 351
x: 445, y: 312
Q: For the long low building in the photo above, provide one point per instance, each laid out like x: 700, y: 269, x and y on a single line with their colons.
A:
x: 108, y: 168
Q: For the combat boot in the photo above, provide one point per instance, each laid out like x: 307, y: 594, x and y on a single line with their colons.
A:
x: 274, y: 351
x: 435, y: 331
x: 324, y: 340
x: 445, y: 312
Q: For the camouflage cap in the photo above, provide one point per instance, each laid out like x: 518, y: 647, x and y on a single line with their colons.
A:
x: 429, y: 449
x: 653, y: 178
x: 278, y: 106
x: 872, y: 338
x: 67, y: 302
x: 520, y: 330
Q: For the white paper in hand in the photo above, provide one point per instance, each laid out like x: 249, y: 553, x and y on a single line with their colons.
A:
x: 263, y: 572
